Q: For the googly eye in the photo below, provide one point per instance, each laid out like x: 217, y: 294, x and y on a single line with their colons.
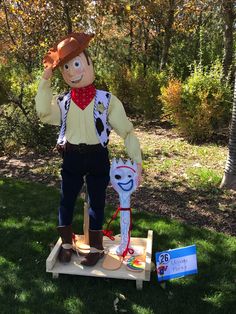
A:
x: 77, y: 64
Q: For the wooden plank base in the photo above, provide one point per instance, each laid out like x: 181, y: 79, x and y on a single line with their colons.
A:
x: 75, y: 268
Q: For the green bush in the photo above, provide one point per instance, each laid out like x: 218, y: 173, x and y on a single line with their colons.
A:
x: 200, y: 107
x: 19, y: 124
x: 138, y: 91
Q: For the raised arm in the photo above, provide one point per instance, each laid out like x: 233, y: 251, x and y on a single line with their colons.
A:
x: 46, y: 104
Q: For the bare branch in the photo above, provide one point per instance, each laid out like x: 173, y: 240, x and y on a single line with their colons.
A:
x: 8, y: 25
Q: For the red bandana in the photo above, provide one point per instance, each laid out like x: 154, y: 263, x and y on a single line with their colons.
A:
x: 83, y: 96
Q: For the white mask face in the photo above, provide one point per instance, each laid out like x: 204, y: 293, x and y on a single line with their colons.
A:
x: 124, y: 176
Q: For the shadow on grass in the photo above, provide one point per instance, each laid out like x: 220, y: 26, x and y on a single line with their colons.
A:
x: 28, y: 217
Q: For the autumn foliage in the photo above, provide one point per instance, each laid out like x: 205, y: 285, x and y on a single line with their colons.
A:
x: 201, y: 105
x: 139, y: 47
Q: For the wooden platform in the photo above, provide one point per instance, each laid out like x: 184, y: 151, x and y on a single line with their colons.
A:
x: 75, y: 268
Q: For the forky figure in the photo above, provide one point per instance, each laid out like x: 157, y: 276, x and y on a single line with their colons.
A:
x: 124, y: 179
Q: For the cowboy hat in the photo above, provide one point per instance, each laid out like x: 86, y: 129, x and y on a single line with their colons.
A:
x: 66, y: 49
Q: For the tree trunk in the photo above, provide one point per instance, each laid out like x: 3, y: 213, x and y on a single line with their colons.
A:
x: 197, y: 53
x: 229, y: 178
x: 67, y: 17
x: 167, y: 35
x: 131, y: 43
x: 228, y: 17
x: 145, y: 58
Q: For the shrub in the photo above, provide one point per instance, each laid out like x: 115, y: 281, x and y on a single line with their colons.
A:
x: 138, y: 92
x: 19, y: 124
x: 201, y: 106
x: 171, y: 99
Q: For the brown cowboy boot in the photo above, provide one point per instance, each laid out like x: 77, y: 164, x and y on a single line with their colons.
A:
x: 66, y: 247
x: 96, y: 248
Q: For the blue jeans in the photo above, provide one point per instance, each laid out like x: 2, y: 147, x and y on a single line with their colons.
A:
x: 95, y: 167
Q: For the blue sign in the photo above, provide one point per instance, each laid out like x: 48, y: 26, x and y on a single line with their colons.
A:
x: 176, y: 263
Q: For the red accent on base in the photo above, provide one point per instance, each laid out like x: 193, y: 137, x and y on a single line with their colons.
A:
x: 108, y: 233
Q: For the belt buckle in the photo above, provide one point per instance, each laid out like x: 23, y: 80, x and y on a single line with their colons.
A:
x: 82, y: 148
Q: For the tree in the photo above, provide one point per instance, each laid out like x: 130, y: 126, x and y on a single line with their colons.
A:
x: 228, y: 14
x: 229, y: 178
x: 168, y: 25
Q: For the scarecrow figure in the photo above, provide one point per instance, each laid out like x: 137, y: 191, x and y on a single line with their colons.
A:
x: 85, y: 116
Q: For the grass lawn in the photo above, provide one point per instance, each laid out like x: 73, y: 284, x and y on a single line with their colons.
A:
x: 28, y: 216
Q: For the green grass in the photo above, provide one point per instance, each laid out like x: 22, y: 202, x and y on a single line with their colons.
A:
x: 202, y: 177
x: 175, y: 156
x: 28, y: 216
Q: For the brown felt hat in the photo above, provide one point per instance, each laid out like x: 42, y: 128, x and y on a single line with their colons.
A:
x: 66, y: 49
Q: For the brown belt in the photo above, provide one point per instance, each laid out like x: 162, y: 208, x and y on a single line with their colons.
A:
x: 83, y: 148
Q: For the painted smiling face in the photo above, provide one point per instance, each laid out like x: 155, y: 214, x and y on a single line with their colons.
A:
x: 77, y: 72
x: 124, y: 176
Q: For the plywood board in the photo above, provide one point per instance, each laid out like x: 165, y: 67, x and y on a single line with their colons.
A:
x: 75, y: 268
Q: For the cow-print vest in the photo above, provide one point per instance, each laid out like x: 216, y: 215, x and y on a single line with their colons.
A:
x: 100, y: 113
